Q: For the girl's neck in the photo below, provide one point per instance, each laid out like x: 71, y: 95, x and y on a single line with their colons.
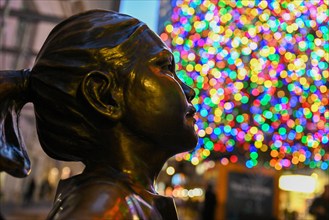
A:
x: 133, y: 157
x: 137, y: 178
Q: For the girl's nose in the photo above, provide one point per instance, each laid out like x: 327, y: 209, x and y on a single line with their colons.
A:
x: 188, y: 91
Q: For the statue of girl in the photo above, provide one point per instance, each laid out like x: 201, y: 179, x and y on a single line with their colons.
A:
x: 105, y: 93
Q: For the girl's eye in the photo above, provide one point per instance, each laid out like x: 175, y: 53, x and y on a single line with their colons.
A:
x: 166, y: 67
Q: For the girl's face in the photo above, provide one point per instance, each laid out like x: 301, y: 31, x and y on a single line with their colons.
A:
x: 157, y: 104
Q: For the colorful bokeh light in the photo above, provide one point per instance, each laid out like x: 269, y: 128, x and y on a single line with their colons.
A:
x: 260, y: 72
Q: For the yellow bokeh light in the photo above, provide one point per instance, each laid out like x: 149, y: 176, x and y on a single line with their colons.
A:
x: 212, y: 91
x: 254, y: 11
x: 189, y: 67
x: 254, y: 78
x: 302, y: 80
x: 264, y: 148
x: 190, y: 11
x: 247, y: 137
x: 278, y: 166
x: 252, y: 31
x: 212, y: 50
x: 281, y: 93
x: 238, y: 85
x: 206, y: 152
x: 294, y: 26
x: 263, y: 4
x: 218, y: 112
x: 314, y: 108
x: 317, y: 41
x: 238, y: 97
x: 198, y: 67
x: 228, y: 33
x: 283, y: 74
x: 302, y: 158
x: 244, y: 40
x: 304, y: 58
x: 187, y: 157
x: 272, y: 50
x: 195, y: 161
x: 291, y: 67
x: 179, y: 40
x: 258, y: 144
x: 323, y: 89
x: 242, y: 72
x: 254, y: 62
x: 170, y: 170
x: 295, y: 160
x: 253, y: 130
x: 290, y: 29
x: 288, y: 55
x: 201, y: 133
x: 169, y: 28
x: 238, y: 62
x: 268, y: 83
x: 245, y: 3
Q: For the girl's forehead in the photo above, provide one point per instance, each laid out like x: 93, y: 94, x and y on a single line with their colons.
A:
x: 151, y: 44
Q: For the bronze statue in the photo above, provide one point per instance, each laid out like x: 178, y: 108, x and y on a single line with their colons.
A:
x: 105, y: 93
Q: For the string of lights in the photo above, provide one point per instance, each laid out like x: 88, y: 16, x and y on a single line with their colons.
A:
x: 260, y: 72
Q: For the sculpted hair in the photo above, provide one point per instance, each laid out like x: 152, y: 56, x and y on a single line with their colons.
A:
x: 13, y: 96
x: 94, y: 40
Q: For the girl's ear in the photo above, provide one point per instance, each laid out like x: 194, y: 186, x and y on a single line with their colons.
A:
x: 102, y: 94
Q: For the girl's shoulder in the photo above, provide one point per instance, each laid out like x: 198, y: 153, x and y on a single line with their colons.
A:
x: 100, y: 198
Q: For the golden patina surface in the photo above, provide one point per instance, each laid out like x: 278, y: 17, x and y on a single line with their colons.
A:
x: 105, y: 93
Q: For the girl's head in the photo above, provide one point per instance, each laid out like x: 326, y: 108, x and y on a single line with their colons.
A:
x: 94, y: 42
x: 90, y: 69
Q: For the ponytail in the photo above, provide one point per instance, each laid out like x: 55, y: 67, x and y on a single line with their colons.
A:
x: 14, y: 94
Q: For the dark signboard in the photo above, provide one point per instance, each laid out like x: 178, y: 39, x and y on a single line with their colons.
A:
x: 249, y: 196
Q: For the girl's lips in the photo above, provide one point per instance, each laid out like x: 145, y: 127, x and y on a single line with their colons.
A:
x: 190, y: 111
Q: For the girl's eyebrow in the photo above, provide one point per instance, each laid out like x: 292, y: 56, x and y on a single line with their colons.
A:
x: 162, y: 56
